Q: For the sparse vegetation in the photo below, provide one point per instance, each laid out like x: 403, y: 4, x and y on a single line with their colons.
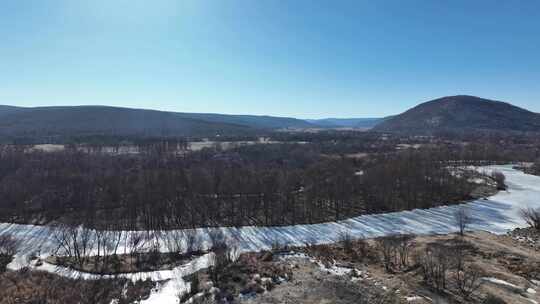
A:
x: 8, y: 248
x: 462, y: 219
x: 126, y: 263
x: 395, y: 251
x: 532, y: 217
x: 435, y: 262
x: 499, y: 179
x: 249, y: 274
x: 27, y: 286
x: 468, y: 280
x: 492, y: 299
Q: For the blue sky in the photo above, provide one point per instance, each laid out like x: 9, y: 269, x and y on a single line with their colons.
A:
x: 299, y: 58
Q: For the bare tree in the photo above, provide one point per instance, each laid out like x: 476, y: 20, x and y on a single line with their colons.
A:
x: 8, y: 248
x: 345, y: 239
x: 175, y: 241
x: 532, y: 217
x: 100, y: 240
x: 135, y: 242
x: 388, y: 248
x: 224, y: 254
x: 75, y: 242
x: 405, y: 244
x: 462, y: 219
x: 435, y: 262
x: 192, y: 241
x: 395, y: 250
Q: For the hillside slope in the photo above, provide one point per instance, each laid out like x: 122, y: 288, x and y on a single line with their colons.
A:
x: 462, y: 113
x: 360, y: 123
x: 102, y: 120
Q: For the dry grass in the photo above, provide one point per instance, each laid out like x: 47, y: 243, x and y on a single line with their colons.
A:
x: 251, y: 273
x: 126, y: 263
x: 482, y: 255
x: 40, y: 287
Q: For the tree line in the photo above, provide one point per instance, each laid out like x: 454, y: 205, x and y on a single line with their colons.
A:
x: 274, y: 184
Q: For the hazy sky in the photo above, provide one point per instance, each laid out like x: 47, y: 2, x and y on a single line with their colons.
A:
x: 291, y: 57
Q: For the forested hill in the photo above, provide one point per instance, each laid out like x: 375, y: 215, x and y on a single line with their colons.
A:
x: 461, y: 114
x: 359, y: 123
x: 102, y: 120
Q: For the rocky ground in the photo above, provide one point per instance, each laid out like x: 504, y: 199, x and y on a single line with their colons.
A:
x: 495, y: 269
x: 479, y: 267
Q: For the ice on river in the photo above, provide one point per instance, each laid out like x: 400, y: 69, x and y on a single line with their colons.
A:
x: 497, y: 214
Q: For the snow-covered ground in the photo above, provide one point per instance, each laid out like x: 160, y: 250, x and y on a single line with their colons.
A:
x: 158, y: 275
x: 498, y: 214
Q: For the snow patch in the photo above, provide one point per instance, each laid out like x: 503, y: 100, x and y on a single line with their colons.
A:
x: 498, y: 214
x: 501, y: 282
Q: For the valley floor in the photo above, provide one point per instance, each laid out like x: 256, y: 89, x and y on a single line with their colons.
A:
x: 498, y: 214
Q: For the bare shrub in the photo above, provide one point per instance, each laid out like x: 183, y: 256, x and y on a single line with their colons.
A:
x: 462, y: 219
x: 377, y: 297
x: 435, y: 262
x: 363, y: 248
x: 194, y: 289
x: 224, y: 254
x: 113, y: 239
x: 8, y: 245
x: 277, y: 246
x: 458, y: 253
x: 532, y: 217
x: 310, y: 243
x: 492, y: 299
x: 195, y: 285
x: 389, y: 297
x: 174, y: 240
x: 405, y: 244
x: 387, y: 246
x: 74, y: 242
x: 345, y: 239
x: 395, y: 250
x: 181, y: 242
x: 38, y: 287
x: 446, y: 261
x: 499, y: 179
x: 192, y: 241
x: 135, y: 243
x: 468, y: 280
x: 8, y: 248
x: 217, y: 239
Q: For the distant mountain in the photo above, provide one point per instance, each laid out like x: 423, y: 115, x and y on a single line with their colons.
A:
x: 254, y: 121
x: 462, y: 113
x: 361, y: 123
x: 102, y: 120
x: 5, y: 110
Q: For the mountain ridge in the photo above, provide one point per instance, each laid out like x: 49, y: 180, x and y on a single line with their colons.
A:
x: 359, y: 123
x: 107, y: 120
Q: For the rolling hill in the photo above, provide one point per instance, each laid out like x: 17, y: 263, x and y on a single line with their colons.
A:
x: 462, y: 113
x: 103, y: 120
x: 358, y: 123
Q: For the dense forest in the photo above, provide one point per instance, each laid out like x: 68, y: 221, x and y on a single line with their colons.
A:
x: 262, y: 184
